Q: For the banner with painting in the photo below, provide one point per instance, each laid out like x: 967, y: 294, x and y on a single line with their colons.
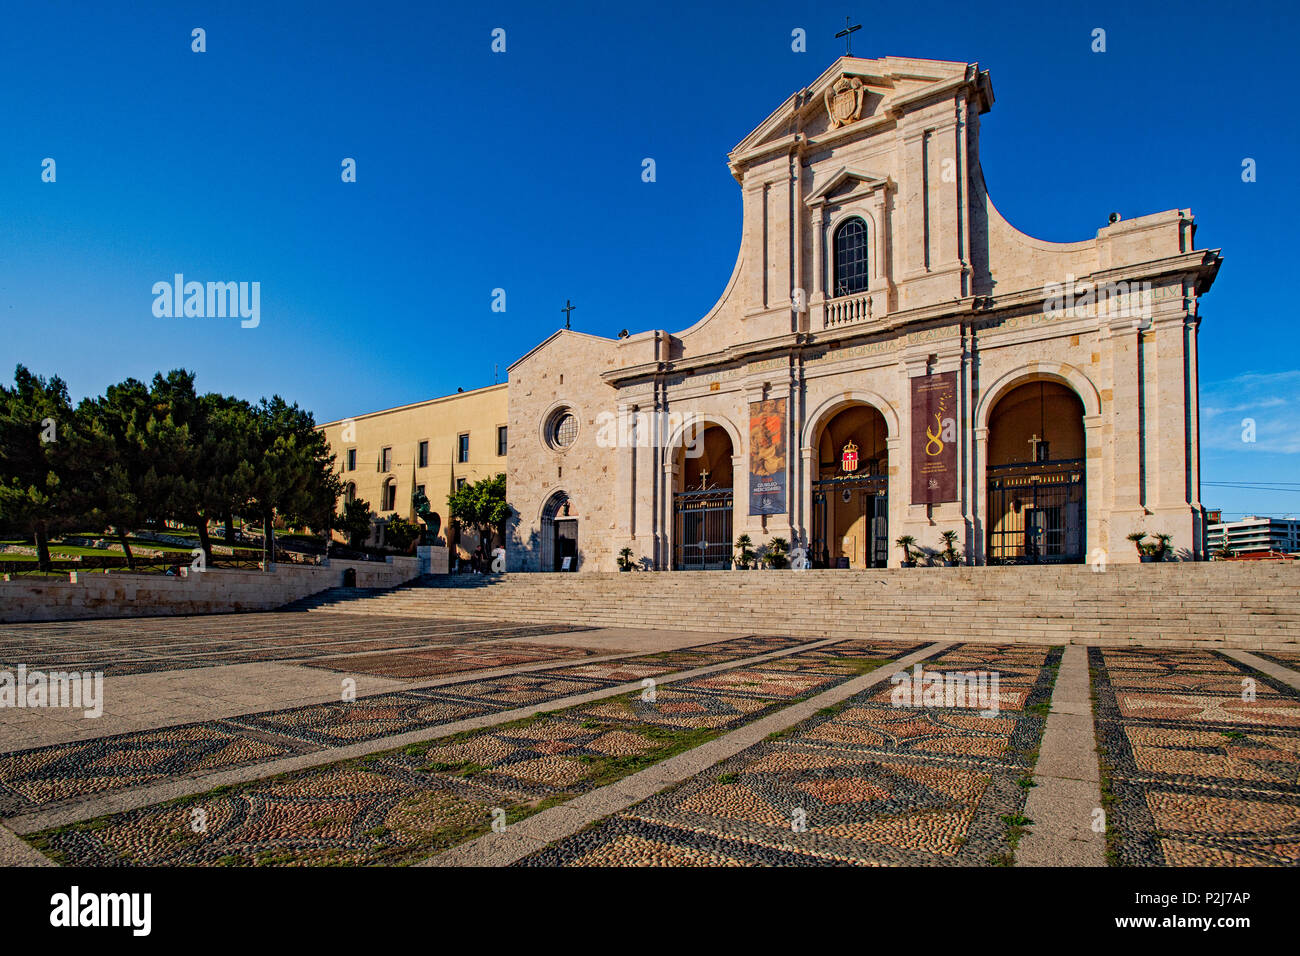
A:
x: 934, y: 438
x: 767, y: 457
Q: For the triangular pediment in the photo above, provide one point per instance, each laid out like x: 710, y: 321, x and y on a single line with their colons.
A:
x: 848, y: 180
x: 868, y: 90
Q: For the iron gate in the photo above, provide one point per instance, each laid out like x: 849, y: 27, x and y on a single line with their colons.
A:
x: 702, y: 531
x: 1036, y: 513
x: 869, y: 496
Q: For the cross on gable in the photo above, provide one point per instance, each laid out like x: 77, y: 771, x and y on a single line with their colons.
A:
x: 847, y: 33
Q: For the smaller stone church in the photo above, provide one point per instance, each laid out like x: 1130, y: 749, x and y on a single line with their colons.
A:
x: 889, y: 358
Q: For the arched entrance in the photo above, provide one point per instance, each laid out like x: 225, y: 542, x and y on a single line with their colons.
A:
x: 850, y: 497
x: 559, y: 537
x: 1035, y: 476
x: 703, y: 502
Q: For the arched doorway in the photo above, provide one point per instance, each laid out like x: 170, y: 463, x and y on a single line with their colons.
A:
x: 1035, y: 476
x: 559, y: 537
x: 851, y: 491
x: 703, y: 501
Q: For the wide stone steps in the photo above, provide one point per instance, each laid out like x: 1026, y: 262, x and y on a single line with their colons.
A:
x: 1224, y: 604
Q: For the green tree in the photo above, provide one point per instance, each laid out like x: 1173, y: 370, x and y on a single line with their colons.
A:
x: 115, y: 464
x: 355, y: 521
x: 171, y: 442
x: 37, y: 439
x: 293, y: 469
x: 226, y: 472
x: 481, y: 505
x: 399, y: 533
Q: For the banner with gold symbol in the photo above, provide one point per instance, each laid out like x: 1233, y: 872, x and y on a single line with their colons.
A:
x: 934, y: 438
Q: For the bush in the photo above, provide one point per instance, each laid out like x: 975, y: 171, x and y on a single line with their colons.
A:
x: 400, y: 534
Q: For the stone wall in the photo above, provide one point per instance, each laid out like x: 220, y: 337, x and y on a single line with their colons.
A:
x: 217, y: 591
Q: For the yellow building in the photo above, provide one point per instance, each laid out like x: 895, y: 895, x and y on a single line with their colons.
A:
x: 435, y: 446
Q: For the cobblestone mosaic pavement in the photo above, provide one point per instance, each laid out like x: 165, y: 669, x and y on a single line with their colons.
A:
x: 1282, y: 658
x: 1201, y: 759
x: 867, y: 782
x: 37, y: 777
x: 123, y: 647
x: 403, y: 805
x: 434, y: 662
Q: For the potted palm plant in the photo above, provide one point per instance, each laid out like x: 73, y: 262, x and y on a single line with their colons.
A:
x: 1160, y: 549
x: 777, y: 553
x: 744, y: 552
x: 1139, y: 541
x: 625, y: 560
x: 950, y: 555
x: 907, y: 542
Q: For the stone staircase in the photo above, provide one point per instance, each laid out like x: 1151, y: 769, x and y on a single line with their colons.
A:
x: 334, y: 599
x: 1251, y: 606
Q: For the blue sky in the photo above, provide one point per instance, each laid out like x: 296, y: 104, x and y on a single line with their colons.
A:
x: 521, y: 171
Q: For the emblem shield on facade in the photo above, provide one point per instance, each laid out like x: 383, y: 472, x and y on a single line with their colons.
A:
x: 844, y: 99
x: 849, y: 458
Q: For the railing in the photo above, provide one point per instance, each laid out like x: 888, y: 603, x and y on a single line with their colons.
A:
x: 169, y: 565
x: 847, y: 309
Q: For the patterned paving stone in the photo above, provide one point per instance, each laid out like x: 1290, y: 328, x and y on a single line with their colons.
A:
x: 404, y: 805
x: 1198, y: 773
x: 867, y: 783
x: 728, y: 697
x: 51, y: 774
x: 313, y: 727
x: 122, y: 648
x: 1284, y: 658
x: 451, y: 660
x: 368, y: 718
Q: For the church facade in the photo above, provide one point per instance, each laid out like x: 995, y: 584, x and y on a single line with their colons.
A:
x: 889, y: 359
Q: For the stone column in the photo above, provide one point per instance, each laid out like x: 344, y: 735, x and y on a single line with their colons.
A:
x: 1124, y: 456
x: 667, y: 528
x: 979, y: 499
x: 1095, y: 535
x: 809, y: 468
x: 1171, y: 440
x: 900, y: 493
x: 817, y: 294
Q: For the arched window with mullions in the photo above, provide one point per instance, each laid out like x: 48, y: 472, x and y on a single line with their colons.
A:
x: 851, y: 257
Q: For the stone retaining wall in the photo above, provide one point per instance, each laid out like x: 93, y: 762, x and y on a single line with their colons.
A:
x: 217, y: 591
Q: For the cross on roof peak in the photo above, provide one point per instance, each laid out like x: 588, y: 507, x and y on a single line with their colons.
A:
x: 847, y: 33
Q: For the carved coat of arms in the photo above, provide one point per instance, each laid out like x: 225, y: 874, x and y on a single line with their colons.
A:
x: 844, y: 100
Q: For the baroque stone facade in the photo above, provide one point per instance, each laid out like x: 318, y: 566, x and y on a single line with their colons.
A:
x: 876, y: 288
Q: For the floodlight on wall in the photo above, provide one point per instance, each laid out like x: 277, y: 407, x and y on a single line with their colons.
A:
x: 1113, y: 218
x: 623, y: 333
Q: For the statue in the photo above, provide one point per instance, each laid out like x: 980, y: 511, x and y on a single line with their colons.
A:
x: 432, y: 523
